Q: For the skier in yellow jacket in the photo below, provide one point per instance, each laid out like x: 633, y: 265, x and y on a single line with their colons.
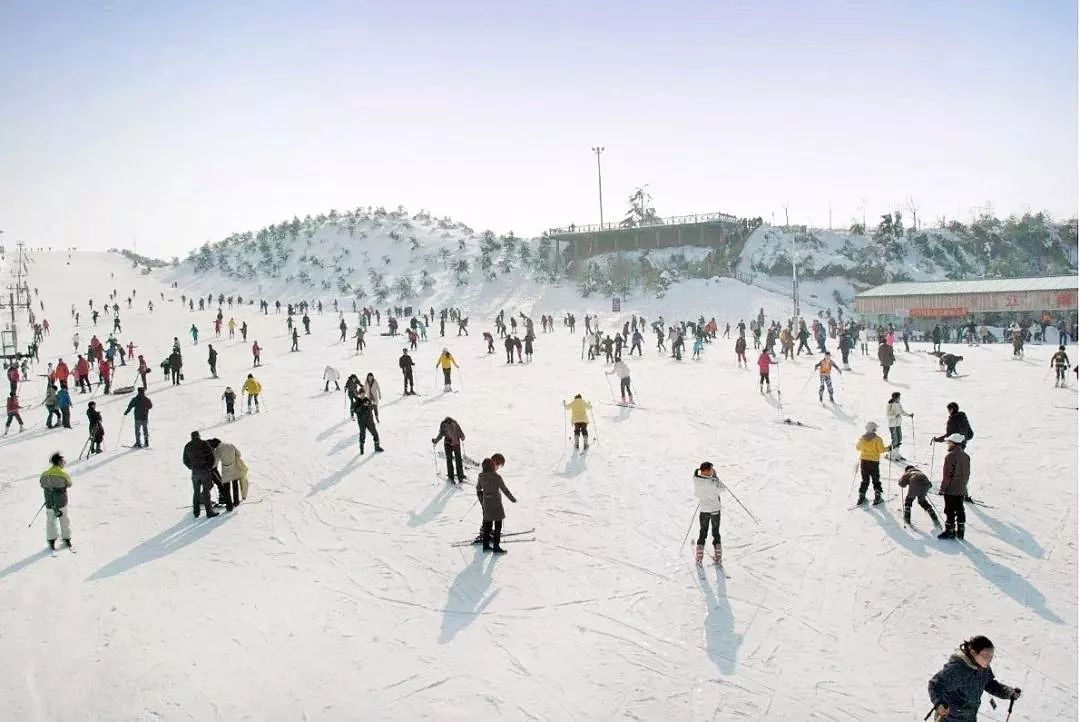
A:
x: 55, y: 482
x: 870, y: 447
x: 252, y: 388
x: 579, y: 417
x: 446, y: 360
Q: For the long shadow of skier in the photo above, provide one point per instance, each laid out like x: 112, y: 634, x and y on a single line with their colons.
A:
x: 574, y: 466
x: 721, y: 642
x: 1011, y: 534
x: 324, y: 435
x: 176, y: 537
x: 434, y: 507
x: 1013, y: 585
x: 334, y: 478
x: 916, y: 545
x: 468, y: 597
x: 23, y: 563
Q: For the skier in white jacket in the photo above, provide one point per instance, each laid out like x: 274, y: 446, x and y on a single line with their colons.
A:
x: 621, y: 370
x: 707, y: 490
x: 373, y: 392
x: 331, y: 374
x: 895, y: 414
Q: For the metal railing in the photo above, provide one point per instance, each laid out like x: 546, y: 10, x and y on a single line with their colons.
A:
x: 669, y: 221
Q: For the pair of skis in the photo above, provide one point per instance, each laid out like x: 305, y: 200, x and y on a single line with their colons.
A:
x: 514, y: 538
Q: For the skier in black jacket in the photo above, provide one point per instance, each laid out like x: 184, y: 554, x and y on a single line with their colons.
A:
x: 957, y: 423
x: 199, y: 457
x: 365, y: 418
x: 956, y: 691
x: 405, y: 363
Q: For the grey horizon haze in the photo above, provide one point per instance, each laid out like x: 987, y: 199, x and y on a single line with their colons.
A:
x: 177, y: 123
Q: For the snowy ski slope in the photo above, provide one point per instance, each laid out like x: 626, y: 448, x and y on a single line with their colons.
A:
x: 333, y: 593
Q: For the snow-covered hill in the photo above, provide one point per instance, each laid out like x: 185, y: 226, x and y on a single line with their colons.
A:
x: 333, y: 593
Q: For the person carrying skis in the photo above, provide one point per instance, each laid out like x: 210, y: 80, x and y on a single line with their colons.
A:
x: 886, y: 358
x: 230, y: 403
x: 365, y: 420
x: 707, y: 489
x: 917, y: 487
x: 955, y: 471
x: 331, y: 374
x: 764, y: 361
x: 97, y: 430
x: 141, y: 405
x: 199, y: 458
x: 452, y: 435
x: 894, y: 413
x: 870, y: 447
x: 54, y: 483
x: 825, y: 367
x: 956, y: 691
x: 621, y: 370
x: 446, y: 360
x: 211, y: 360
x: 579, y: 417
x: 490, y: 488
x: 405, y: 363
x: 252, y: 388
x: 1060, y: 363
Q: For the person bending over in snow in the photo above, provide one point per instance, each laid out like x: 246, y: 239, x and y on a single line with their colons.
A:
x: 917, y: 487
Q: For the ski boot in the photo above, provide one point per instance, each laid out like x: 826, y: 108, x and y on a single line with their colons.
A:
x: 52, y: 544
x: 948, y: 533
x: 67, y: 543
x: 934, y: 519
x: 495, y: 538
x: 959, y: 531
x: 878, y: 499
x: 379, y: 449
x: 718, y: 555
x: 861, y: 501
x: 907, y: 515
x: 699, y: 554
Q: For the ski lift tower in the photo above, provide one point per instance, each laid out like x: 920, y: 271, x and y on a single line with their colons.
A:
x: 18, y: 296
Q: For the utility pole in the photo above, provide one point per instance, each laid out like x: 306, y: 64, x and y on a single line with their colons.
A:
x: 794, y: 277
x: 16, y: 301
x: 600, y: 182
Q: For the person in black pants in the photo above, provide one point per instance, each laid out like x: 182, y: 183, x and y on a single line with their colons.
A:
x: 365, y: 418
x: 452, y: 435
x: 199, y: 458
x: 405, y: 363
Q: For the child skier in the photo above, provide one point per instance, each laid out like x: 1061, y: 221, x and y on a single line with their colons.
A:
x: 917, y: 487
x: 764, y: 361
x: 825, y: 367
x: 1060, y: 363
x: 895, y: 414
x: 870, y: 447
x: 230, y: 403
x: 956, y: 691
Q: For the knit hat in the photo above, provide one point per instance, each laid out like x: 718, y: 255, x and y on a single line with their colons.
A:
x: 871, y: 426
x: 909, y: 467
x: 956, y: 438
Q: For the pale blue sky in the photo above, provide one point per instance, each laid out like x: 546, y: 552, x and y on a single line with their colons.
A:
x: 179, y: 122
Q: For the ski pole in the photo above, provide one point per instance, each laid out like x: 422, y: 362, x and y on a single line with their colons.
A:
x: 607, y: 377
x: 1011, y: 703
x: 742, y: 505
x: 853, y: 475
x: 807, y: 382
x: 929, y: 713
x: 120, y: 431
x: 596, y: 431
x: 36, y: 515
x: 469, y: 509
x: 435, y: 458
x: 85, y: 443
x: 692, y: 517
x: 933, y: 450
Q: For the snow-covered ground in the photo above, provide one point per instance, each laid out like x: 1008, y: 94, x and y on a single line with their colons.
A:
x: 333, y: 593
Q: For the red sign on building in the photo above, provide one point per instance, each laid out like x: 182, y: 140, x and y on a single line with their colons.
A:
x: 938, y: 312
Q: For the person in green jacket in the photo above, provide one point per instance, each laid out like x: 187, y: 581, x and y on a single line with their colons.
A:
x: 55, y: 482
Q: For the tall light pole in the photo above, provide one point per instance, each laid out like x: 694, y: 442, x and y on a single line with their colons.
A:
x: 600, y: 182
